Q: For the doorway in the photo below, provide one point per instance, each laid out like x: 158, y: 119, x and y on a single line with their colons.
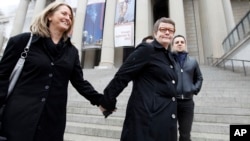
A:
x: 160, y: 9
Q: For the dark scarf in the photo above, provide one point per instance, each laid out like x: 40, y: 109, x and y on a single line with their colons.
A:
x: 54, y: 49
x: 181, y: 56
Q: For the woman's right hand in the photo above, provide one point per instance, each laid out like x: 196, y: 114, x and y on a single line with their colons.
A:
x: 105, y: 112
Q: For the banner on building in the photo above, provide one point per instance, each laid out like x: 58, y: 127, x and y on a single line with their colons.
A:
x: 93, y: 24
x: 124, y: 23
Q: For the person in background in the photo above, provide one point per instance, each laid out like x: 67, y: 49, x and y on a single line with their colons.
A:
x: 36, y: 109
x: 148, y: 39
x: 189, y: 84
x: 152, y: 107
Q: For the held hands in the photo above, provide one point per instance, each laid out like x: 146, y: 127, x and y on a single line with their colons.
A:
x: 105, y: 112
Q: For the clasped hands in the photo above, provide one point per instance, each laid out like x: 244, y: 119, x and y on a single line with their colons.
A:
x: 105, y: 112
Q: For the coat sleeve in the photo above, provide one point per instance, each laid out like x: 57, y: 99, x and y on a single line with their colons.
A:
x: 127, y: 72
x: 83, y: 86
x: 198, y: 78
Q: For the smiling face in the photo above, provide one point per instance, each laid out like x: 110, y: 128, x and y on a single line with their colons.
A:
x: 164, y: 33
x: 61, y: 19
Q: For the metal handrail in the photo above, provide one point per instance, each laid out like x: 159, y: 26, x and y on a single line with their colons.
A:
x: 237, y: 33
x: 218, y: 61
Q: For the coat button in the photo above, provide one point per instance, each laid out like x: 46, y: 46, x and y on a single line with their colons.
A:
x: 50, y: 75
x: 52, y: 64
x: 43, y: 99
x: 173, y: 116
x: 173, y: 81
x: 171, y: 66
x: 47, y: 87
x: 173, y: 98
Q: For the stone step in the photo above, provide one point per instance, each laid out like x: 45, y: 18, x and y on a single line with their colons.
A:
x: 219, y: 99
x: 93, y: 111
x: 228, y: 85
x: 219, y: 92
x: 228, y: 119
x: 106, y: 131
x: 216, y: 75
x: 222, y: 110
x: 233, y: 102
x: 209, y: 137
x: 200, y: 100
x: 195, y: 137
x: 208, y: 127
x: 117, y: 120
x: 224, y: 92
x: 198, y: 110
x: 96, y: 132
x: 96, y: 119
x: 78, y: 137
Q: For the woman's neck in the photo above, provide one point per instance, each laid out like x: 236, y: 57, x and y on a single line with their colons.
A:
x: 56, y: 36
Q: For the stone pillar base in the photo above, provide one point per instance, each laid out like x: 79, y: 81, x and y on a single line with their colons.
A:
x: 105, y: 65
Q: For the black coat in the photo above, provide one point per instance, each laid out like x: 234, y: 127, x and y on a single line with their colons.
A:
x: 151, y: 109
x: 36, y: 110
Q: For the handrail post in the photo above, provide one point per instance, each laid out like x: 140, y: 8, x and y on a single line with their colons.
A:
x: 224, y: 64
x: 232, y: 65
x: 245, y: 72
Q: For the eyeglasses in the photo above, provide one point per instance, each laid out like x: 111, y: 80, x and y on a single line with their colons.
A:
x: 164, y: 30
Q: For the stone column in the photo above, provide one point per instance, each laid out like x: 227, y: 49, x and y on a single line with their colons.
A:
x: 78, y: 25
x: 144, y: 20
x: 107, y: 52
x: 2, y: 32
x: 176, y: 10
x: 39, y: 6
x: 229, y: 15
x: 20, y: 17
x: 213, y: 27
x: 1, y: 35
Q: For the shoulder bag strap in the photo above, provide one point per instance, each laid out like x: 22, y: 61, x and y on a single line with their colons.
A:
x: 18, y: 67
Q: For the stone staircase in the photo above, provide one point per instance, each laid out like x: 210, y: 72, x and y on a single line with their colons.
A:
x: 224, y: 99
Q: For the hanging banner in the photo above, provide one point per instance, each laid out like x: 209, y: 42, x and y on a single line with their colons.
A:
x: 93, y: 24
x: 124, y: 23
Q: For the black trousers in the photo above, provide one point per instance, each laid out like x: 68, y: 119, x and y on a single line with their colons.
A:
x: 185, y: 116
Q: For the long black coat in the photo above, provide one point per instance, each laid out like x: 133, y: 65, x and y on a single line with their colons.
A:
x: 36, y: 110
x: 151, y: 109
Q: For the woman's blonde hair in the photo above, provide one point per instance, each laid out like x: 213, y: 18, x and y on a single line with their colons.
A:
x: 40, y: 25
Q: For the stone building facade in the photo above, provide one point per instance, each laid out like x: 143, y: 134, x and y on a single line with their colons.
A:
x: 205, y: 23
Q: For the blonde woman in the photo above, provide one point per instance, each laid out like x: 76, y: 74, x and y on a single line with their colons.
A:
x: 36, y: 109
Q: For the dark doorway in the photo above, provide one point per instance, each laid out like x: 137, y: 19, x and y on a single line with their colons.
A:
x: 160, y: 9
x: 97, y: 57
